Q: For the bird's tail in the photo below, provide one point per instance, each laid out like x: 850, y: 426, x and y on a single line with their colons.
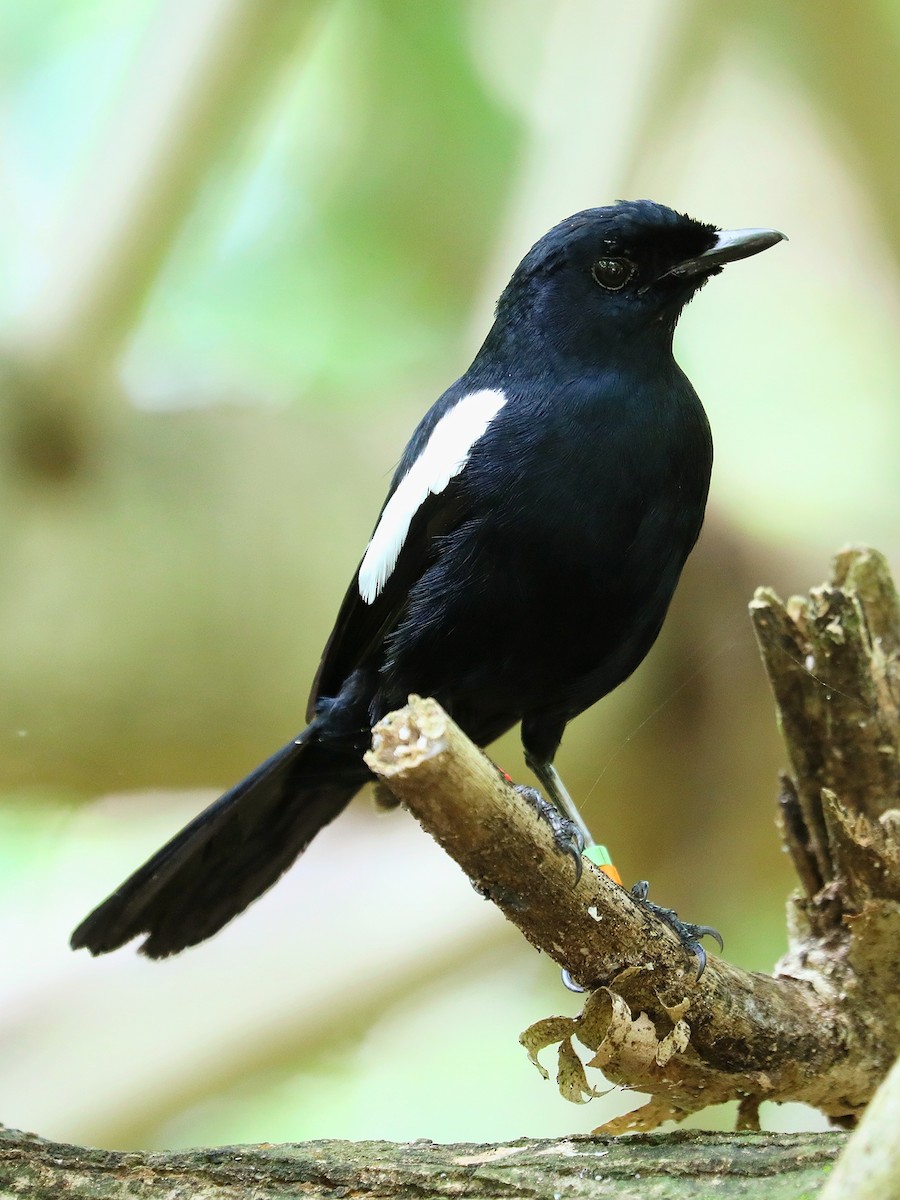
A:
x: 229, y: 854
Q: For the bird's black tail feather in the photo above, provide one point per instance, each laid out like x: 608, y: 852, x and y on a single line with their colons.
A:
x: 229, y: 854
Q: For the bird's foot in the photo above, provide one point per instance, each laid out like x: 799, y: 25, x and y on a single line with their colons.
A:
x: 566, y: 834
x: 688, y: 934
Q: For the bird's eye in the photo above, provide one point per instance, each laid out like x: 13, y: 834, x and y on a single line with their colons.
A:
x: 612, y: 273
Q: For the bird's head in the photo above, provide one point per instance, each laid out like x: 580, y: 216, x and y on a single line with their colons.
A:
x: 608, y: 274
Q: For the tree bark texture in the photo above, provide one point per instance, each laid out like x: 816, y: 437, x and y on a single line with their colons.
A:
x: 666, y: 1167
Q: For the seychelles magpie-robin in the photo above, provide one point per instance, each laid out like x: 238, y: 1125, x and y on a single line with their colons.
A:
x: 520, y: 568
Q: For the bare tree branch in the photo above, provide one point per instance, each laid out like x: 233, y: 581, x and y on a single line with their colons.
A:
x: 824, y: 1028
x: 737, y: 1166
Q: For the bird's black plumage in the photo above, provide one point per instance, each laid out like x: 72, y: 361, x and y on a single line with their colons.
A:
x: 521, y: 567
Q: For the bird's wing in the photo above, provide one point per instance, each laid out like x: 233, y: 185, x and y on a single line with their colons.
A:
x: 428, y: 498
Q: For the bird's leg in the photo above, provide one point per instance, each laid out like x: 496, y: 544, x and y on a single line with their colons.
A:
x: 572, y: 836
x: 570, y: 833
x: 550, y: 781
x: 566, y: 836
x: 688, y: 934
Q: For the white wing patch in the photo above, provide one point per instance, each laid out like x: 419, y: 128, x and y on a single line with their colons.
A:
x: 445, y: 454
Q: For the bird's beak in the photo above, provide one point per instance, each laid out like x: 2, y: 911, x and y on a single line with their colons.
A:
x: 730, y: 245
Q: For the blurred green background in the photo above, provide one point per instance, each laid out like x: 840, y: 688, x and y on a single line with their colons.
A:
x: 245, y: 243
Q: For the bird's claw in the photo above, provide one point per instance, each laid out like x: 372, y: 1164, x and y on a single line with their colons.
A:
x: 569, y: 982
x: 566, y: 834
x: 687, y: 933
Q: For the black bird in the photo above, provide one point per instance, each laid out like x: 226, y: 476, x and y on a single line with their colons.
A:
x: 521, y: 566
